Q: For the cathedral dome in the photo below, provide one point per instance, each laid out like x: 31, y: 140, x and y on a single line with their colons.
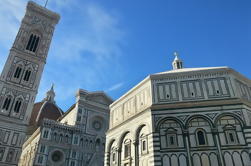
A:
x: 45, y: 109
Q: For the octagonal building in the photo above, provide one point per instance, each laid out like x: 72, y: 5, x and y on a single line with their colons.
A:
x: 182, y: 117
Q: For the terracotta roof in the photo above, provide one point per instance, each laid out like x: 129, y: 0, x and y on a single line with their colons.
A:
x: 43, y: 110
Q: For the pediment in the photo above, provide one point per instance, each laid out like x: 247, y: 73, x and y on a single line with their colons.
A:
x: 99, y: 98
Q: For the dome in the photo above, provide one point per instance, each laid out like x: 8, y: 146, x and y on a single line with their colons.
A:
x: 45, y: 109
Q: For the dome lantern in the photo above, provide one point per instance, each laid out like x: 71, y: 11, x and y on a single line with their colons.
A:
x: 177, y: 63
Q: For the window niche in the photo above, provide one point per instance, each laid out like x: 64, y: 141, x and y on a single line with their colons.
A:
x: 230, y: 135
x: 42, y: 149
x: 201, y: 137
x: 27, y: 75
x: 45, y: 134
x: 143, y: 144
x: 127, y: 149
x: 7, y: 103
x: 169, y: 134
x: 33, y: 43
x: 40, y: 160
x: 113, y: 156
x: 171, y: 138
x: 17, y: 106
x: 18, y: 72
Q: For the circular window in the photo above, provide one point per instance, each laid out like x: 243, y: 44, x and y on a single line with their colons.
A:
x: 57, y: 156
x: 96, y: 125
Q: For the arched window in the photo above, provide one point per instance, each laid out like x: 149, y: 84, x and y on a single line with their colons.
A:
x: 55, y: 136
x: 97, y: 144
x: 201, y: 137
x: 61, y: 138
x: 17, y: 105
x: 143, y: 143
x: 170, y: 130
x: 171, y: 137
x: 113, y: 156
x: 75, y: 141
x: 231, y: 136
x: 32, y: 43
x: 81, y: 141
x: 18, y: 72
x: 67, y: 139
x: 27, y: 75
x: 127, y: 149
x: 6, y: 104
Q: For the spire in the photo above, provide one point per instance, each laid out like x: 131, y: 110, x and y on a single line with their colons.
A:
x: 177, y: 63
x: 50, y: 95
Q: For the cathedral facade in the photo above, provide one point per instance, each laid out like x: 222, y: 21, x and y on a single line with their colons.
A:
x: 75, y: 138
x: 182, y: 117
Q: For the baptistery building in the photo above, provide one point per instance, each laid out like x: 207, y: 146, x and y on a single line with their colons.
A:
x: 182, y: 117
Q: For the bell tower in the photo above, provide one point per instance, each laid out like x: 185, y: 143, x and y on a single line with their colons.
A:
x: 20, y: 78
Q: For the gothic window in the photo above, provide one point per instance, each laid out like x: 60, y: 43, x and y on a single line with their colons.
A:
x: 17, y: 105
x: 55, y: 136
x: 201, y: 138
x: 40, y: 159
x: 6, y: 104
x: 32, y: 43
x: 97, y: 144
x: 79, y: 118
x: 61, y: 138
x: 27, y: 75
x: 80, y: 110
x: 18, y: 72
x: 45, y: 135
x: 127, y: 149
x: 75, y: 140
x: 67, y: 139
x: 81, y: 141
x: 86, y: 142
x: 73, y: 155
x: 42, y: 149
x: 72, y: 163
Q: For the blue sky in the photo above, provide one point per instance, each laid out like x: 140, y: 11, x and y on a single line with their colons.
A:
x: 112, y: 45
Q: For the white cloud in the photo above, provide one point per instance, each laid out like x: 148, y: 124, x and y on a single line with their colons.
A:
x: 10, y: 22
x: 85, y: 49
x: 115, y: 87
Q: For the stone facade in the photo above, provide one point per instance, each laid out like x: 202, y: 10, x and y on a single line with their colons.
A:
x: 75, y: 139
x: 186, y: 116
x: 20, y: 79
